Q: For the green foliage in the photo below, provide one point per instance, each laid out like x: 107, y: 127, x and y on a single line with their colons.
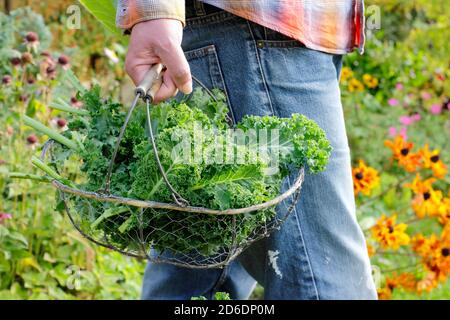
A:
x: 104, y: 11
x: 409, y: 57
x: 16, y: 25
x: 199, y: 125
x: 217, y: 296
x: 41, y: 255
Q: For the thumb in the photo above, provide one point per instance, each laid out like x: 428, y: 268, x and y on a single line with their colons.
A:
x: 176, y: 63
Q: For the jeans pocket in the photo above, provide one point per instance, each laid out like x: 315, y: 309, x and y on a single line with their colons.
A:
x: 205, y: 66
x: 266, y: 37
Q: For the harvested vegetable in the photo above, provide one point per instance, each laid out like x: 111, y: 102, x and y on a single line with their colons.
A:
x: 210, y: 180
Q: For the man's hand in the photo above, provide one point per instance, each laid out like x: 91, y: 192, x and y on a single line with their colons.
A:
x: 159, y: 41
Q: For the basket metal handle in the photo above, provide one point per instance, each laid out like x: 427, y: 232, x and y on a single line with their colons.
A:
x: 146, y: 90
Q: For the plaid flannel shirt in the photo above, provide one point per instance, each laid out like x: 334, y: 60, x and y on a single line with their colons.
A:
x: 333, y: 26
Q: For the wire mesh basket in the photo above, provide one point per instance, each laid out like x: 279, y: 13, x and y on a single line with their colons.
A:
x: 176, y: 233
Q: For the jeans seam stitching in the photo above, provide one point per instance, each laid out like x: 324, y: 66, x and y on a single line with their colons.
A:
x: 224, y: 84
x: 220, y: 16
x: 260, y: 68
x: 283, y: 43
x: 306, y: 250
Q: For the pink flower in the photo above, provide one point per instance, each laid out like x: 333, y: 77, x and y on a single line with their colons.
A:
x: 425, y: 95
x: 392, y: 131
x: 402, y: 132
x: 406, y: 121
x: 32, y: 40
x: 4, y: 216
x: 6, y: 80
x: 393, y: 102
x: 59, y: 123
x: 32, y: 139
x: 75, y: 102
x: 399, y: 86
x: 436, y: 109
x: 416, y: 117
x: 9, y: 130
x: 64, y: 61
x: 31, y: 37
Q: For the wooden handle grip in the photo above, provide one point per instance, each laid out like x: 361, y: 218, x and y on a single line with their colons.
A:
x: 151, y: 83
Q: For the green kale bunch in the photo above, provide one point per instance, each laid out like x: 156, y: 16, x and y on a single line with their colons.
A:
x: 210, y: 163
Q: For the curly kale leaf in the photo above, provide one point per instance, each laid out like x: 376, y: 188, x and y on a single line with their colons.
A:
x: 203, y: 183
x: 301, y: 141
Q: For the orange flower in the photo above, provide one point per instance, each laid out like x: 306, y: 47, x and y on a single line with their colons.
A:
x: 371, y: 250
x: 384, y: 293
x: 427, y: 204
x: 420, y: 244
x: 406, y: 281
x: 401, y: 150
x: 435, y: 253
x: 426, y: 201
x: 420, y: 186
x: 444, y: 211
x: 428, y: 283
x: 365, y: 178
x: 388, y: 234
x: 432, y: 160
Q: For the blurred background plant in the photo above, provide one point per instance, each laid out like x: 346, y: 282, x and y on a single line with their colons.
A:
x: 396, y: 101
x: 41, y: 255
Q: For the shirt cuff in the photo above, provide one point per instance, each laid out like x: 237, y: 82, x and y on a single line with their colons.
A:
x: 131, y: 12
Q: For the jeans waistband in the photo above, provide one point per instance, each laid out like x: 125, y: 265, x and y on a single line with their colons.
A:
x: 196, y: 8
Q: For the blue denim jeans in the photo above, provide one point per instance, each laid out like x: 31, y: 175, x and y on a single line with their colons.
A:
x: 320, y: 251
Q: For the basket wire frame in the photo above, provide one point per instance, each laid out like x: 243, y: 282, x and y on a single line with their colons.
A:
x: 143, y: 247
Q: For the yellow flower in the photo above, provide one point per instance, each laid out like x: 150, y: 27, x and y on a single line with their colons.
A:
x: 370, y: 81
x: 420, y: 186
x: 401, y: 150
x: 432, y: 160
x: 384, y: 293
x: 346, y: 73
x: 365, y: 178
x: 354, y: 85
x: 435, y: 254
x: 420, y: 244
x: 388, y: 234
x: 371, y: 250
x: 426, y: 201
x: 444, y: 211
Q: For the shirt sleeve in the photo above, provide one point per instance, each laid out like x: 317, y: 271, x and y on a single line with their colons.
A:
x: 130, y: 12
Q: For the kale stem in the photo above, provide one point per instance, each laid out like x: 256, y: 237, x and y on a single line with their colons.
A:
x: 61, y: 105
x: 49, y: 132
x: 52, y: 173
x: 29, y: 176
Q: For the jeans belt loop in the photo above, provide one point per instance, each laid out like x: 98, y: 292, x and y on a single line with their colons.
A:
x: 199, y: 8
